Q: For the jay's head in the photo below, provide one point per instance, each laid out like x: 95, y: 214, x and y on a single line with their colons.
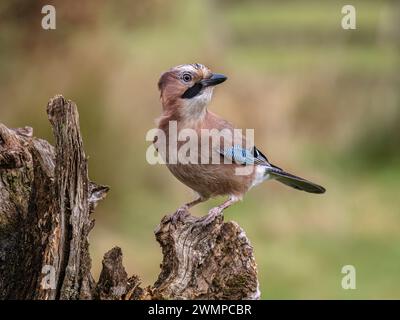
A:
x: 188, y: 88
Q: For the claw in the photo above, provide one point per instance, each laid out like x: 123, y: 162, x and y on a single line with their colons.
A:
x: 180, y: 214
x: 213, y: 214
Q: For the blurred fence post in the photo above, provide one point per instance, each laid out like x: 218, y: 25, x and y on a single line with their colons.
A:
x: 46, y: 199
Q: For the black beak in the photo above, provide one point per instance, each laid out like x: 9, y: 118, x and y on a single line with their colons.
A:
x: 215, y: 79
x: 193, y: 91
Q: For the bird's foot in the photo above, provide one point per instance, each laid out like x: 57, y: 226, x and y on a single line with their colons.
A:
x: 213, y: 214
x: 180, y: 214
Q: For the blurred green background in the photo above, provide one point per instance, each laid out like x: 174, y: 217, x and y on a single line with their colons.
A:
x: 324, y: 103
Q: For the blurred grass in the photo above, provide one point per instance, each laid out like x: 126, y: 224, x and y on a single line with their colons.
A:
x: 357, y: 59
x: 324, y: 104
x: 298, y: 15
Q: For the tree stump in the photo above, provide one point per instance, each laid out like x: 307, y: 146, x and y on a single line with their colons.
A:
x: 46, y: 199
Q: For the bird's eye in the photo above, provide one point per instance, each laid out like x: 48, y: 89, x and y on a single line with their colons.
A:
x: 187, y: 77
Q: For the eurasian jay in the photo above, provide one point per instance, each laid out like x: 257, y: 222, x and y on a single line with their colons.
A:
x: 185, y: 92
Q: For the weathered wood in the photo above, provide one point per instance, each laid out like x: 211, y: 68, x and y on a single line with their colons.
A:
x: 113, y: 279
x: 205, y: 262
x: 45, y: 202
x: 46, y: 199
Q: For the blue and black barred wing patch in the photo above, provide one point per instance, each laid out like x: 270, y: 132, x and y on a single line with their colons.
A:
x: 243, y: 156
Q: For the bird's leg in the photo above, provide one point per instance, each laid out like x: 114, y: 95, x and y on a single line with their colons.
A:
x: 183, y: 211
x: 216, y: 211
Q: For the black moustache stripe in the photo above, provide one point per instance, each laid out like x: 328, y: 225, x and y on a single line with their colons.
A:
x: 192, y: 91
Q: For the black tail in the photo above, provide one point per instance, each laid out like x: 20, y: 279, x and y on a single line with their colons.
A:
x: 294, y: 181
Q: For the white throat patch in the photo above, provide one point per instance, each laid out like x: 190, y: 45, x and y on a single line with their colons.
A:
x: 195, y: 108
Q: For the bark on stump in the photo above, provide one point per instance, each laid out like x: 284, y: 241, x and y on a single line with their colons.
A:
x: 46, y: 199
